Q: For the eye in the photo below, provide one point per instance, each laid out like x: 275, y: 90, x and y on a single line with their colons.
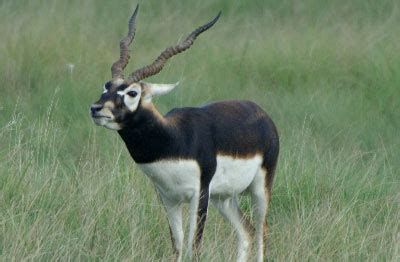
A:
x: 132, y: 93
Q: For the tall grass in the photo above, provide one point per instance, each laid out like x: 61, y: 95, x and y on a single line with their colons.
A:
x: 328, y: 72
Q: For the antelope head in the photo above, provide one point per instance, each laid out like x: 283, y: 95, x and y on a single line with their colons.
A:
x: 122, y: 98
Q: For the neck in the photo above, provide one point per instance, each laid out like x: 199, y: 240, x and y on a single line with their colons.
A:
x: 147, y: 135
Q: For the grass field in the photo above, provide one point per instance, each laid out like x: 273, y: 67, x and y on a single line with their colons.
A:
x: 328, y: 73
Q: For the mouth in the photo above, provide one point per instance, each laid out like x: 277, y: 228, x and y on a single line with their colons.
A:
x: 100, y: 116
x: 101, y: 119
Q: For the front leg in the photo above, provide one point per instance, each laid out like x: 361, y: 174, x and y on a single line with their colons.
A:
x: 202, y: 210
x: 174, y: 214
x: 193, y: 206
x: 199, y: 203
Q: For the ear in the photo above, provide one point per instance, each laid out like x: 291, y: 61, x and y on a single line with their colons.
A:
x: 151, y: 90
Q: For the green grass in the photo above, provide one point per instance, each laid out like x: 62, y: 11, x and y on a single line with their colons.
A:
x: 328, y: 73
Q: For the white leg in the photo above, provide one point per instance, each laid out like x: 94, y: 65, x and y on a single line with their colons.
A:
x: 259, y: 200
x: 229, y: 208
x: 174, y: 214
x: 194, y: 204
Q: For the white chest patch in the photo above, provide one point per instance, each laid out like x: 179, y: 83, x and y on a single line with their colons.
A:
x: 175, y: 179
x: 180, y: 179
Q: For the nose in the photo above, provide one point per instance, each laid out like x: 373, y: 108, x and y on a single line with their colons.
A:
x: 95, y: 108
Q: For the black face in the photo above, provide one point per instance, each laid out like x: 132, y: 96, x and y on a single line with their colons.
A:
x: 117, y: 102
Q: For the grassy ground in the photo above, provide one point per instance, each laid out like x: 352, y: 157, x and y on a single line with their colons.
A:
x: 328, y: 72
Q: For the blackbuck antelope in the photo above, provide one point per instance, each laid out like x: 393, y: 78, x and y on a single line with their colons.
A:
x: 193, y: 154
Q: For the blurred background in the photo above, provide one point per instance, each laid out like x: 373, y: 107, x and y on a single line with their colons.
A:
x: 327, y: 72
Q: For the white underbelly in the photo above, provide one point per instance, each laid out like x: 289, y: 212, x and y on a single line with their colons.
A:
x: 234, y: 175
x: 180, y: 179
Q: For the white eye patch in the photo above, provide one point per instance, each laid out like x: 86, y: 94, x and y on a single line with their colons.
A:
x: 114, y: 82
x: 131, y: 97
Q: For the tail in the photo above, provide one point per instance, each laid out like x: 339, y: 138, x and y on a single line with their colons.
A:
x: 270, y: 161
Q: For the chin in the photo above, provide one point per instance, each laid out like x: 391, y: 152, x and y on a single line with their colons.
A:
x: 108, y: 124
x: 113, y: 126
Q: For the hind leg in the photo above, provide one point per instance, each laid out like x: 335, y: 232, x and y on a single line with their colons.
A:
x: 229, y: 208
x: 259, y: 200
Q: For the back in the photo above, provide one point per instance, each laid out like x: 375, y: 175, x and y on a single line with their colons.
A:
x: 233, y: 127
